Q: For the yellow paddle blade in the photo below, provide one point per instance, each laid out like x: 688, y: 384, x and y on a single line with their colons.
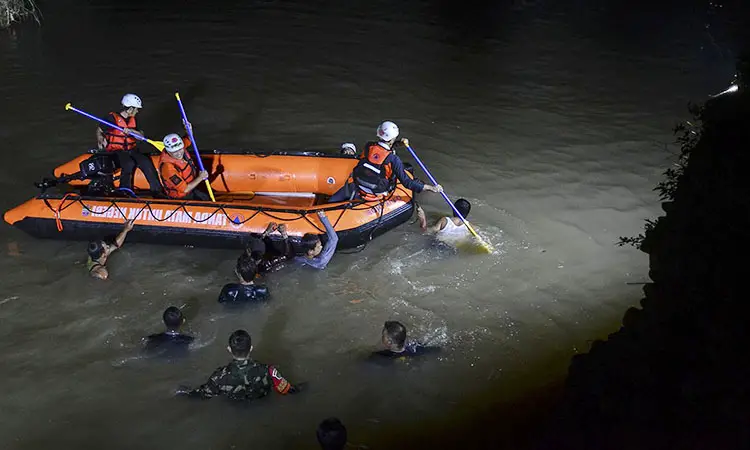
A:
x: 473, y: 246
x: 159, y: 145
x: 485, y: 246
x: 68, y: 106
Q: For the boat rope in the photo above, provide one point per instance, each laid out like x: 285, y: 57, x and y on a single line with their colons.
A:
x: 147, y: 206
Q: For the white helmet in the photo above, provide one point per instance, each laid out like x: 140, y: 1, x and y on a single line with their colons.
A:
x: 387, y: 131
x: 173, y: 143
x: 131, y: 101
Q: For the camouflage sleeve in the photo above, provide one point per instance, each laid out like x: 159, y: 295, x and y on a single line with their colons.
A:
x: 280, y: 384
x: 210, y: 388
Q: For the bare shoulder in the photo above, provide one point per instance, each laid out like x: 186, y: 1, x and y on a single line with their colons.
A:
x: 100, y: 272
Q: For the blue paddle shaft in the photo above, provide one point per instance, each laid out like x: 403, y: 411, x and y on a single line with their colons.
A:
x: 434, y: 182
x: 135, y: 135
x: 192, y: 138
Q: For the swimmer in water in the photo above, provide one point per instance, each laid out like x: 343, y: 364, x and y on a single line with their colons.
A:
x: 450, y: 229
x: 281, y: 251
x: 243, y: 379
x: 314, y: 253
x: 397, y: 345
x: 246, y: 291
x: 171, y: 341
x: 100, y: 250
x: 331, y: 434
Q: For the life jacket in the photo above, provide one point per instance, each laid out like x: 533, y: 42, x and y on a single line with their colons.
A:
x: 116, y: 139
x: 372, y: 174
x: 174, y: 184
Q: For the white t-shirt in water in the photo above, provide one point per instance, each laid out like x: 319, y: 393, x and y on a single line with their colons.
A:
x: 452, y: 232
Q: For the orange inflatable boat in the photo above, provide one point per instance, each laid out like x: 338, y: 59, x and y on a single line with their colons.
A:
x: 251, y: 190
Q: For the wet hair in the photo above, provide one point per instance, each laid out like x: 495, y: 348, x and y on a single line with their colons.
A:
x: 256, y: 248
x: 331, y: 434
x: 463, y: 206
x: 172, y: 317
x: 247, y: 268
x: 396, y: 332
x: 96, y: 249
x: 240, y: 344
x: 309, y: 241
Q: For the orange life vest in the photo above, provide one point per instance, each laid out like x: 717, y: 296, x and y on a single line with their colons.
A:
x: 182, y: 172
x: 372, y: 174
x: 116, y: 139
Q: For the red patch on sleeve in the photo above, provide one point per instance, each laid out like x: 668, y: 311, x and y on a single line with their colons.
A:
x: 279, y: 383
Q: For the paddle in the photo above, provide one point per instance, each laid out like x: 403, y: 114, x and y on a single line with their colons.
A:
x: 195, y: 144
x: 445, y: 197
x: 159, y: 145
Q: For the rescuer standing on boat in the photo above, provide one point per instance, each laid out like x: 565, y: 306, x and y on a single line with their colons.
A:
x: 378, y: 169
x: 125, y: 147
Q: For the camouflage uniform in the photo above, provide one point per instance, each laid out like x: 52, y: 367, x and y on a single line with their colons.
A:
x: 243, y: 380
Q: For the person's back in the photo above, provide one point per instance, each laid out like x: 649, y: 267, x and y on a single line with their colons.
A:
x: 245, y: 379
x: 450, y: 230
x: 271, y: 255
x: 454, y: 230
x: 397, y: 345
x: 245, y: 291
x: 171, y: 342
x: 168, y: 343
x: 242, y: 293
x: 411, y: 348
x: 242, y: 379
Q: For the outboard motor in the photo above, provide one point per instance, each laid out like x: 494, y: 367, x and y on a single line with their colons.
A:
x: 99, y: 169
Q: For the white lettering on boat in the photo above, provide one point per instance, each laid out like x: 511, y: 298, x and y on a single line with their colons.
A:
x: 167, y: 217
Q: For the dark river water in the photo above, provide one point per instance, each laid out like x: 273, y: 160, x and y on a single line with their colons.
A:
x: 550, y: 117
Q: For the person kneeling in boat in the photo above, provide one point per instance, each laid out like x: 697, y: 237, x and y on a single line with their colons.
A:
x: 170, y: 342
x: 100, y: 250
x: 377, y: 170
x: 448, y: 229
x: 243, y: 378
x: 246, y: 290
x: 178, y: 171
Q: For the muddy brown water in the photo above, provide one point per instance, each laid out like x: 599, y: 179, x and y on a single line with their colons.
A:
x: 546, y: 119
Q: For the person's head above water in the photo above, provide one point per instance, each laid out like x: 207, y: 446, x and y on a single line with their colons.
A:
x: 256, y: 248
x: 311, y: 245
x: 246, y: 269
x: 173, y: 318
x: 240, y: 344
x: 394, y: 335
x: 331, y: 434
x: 98, y: 248
x: 388, y: 132
x: 463, y: 206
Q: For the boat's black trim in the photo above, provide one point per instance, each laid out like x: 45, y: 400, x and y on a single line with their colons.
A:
x: 176, y: 235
